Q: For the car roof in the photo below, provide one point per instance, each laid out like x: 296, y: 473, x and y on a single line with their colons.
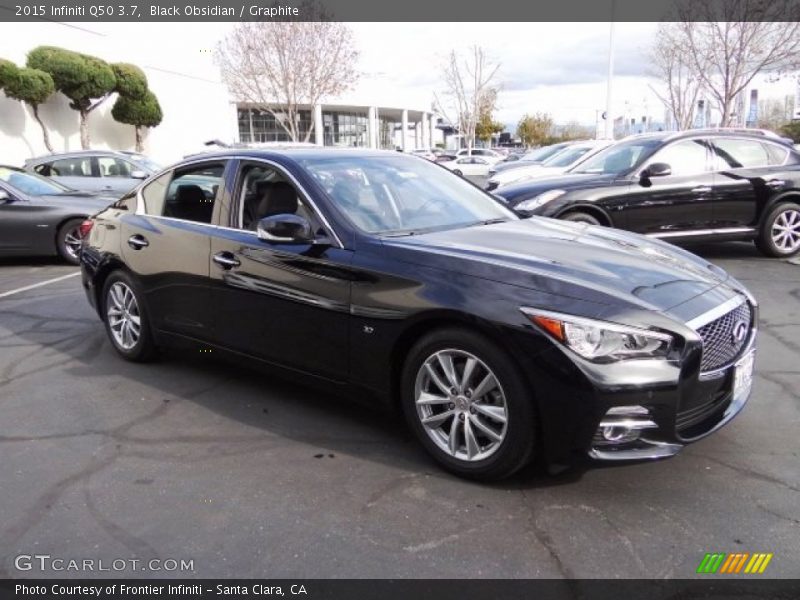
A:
x: 299, y: 153
x: 80, y: 153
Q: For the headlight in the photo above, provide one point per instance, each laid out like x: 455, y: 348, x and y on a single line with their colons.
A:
x: 601, y: 341
x: 539, y: 200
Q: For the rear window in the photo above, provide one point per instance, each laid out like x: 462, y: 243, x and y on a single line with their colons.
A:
x: 738, y: 154
x: 777, y: 155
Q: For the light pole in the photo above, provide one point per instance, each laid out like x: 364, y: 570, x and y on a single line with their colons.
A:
x: 609, y: 116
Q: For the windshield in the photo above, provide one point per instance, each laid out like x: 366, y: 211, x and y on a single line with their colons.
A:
x: 28, y: 183
x: 543, y: 153
x: 402, y: 195
x: 566, y: 157
x: 618, y: 158
x: 147, y: 163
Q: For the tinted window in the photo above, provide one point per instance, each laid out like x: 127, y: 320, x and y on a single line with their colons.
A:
x: 265, y: 192
x: 154, y: 194
x: 684, y: 158
x: 618, y: 158
x: 776, y: 154
x: 736, y: 154
x: 71, y: 167
x: 114, y: 167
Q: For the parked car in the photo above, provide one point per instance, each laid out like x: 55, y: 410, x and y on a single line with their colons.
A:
x: 485, y: 153
x: 424, y: 153
x: 695, y: 185
x: 382, y: 276
x: 560, y: 162
x: 475, y: 166
x: 109, y: 172
x: 532, y: 157
x: 41, y: 217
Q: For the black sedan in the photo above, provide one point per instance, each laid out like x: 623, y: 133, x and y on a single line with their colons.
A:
x: 700, y: 185
x: 39, y: 216
x: 388, y: 278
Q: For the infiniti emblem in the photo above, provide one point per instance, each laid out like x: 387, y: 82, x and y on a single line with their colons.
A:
x: 739, y: 332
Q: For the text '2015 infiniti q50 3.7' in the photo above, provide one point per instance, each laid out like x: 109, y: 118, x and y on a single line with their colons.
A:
x: 380, y: 274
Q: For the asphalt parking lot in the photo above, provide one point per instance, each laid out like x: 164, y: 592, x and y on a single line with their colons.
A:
x: 251, y: 476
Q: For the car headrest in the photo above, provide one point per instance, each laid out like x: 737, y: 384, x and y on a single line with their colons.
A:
x: 281, y: 199
x: 189, y: 193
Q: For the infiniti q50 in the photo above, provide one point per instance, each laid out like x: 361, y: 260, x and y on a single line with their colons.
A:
x: 501, y: 339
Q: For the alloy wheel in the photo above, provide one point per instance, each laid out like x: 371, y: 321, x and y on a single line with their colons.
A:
x: 124, y: 318
x: 72, y: 242
x: 461, y: 405
x: 786, y: 231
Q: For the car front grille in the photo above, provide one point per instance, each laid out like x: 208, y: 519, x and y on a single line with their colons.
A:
x: 721, y: 344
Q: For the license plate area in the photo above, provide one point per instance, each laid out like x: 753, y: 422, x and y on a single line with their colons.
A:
x: 743, y: 374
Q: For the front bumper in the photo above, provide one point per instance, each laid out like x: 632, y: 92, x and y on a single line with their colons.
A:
x: 715, y: 400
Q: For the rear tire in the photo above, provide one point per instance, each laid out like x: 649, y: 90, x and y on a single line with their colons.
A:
x: 488, y: 403
x: 779, y: 234
x: 126, y: 318
x: 68, y: 241
x: 581, y: 217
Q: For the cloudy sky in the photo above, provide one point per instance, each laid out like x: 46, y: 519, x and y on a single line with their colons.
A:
x: 559, y: 68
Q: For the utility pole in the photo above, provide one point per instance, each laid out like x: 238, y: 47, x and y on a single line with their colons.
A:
x: 609, y: 116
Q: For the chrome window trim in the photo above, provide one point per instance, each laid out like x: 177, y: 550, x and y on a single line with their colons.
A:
x: 210, y: 159
x: 690, y: 232
x: 716, y: 312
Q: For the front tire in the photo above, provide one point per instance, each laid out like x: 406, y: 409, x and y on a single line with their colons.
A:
x: 68, y: 241
x: 779, y: 235
x: 468, y: 405
x: 125, y: 318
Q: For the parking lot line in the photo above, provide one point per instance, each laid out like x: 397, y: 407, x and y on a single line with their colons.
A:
x: 36, y: 285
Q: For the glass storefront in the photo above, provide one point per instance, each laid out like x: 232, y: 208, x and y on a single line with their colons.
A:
x: 345, y: 129
x: 256, y: 125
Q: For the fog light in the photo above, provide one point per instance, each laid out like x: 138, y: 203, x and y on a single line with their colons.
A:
x: 617, y: 434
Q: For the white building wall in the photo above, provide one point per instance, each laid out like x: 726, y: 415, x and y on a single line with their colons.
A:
x: 179, y: 70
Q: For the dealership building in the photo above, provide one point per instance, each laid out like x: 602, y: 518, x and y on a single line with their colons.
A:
x: 197, y: 106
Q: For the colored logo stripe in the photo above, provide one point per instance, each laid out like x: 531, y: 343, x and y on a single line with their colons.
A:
x: 721, y: 562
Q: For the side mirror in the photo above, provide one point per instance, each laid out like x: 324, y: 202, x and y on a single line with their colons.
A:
x: 138, y: 175
x: 285, y: 229
x: 657, y: 170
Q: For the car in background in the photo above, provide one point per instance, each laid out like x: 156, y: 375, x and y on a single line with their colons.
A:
x: 501, y: 340
x: 532, y: 157
x: 473, y: 166
x: 107, y: 171
x: 558, y: 163
x: 423, y: 153
x: 697, y: 185
x: 41, y: 217
x: 484, y: 153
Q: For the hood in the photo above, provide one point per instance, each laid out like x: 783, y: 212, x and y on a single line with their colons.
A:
x: 595, y: 264
x: 522, y: 190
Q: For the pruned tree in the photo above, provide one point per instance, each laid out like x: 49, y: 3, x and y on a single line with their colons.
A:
x: 470, y: 83
x: 681, y: 83
x: 130, y: 80
x: 284, y: 67
x: 534, y: 129
x: 728, y: 43
x: 32, y: 87
x: 143, y: 111
x: 86, y: 80
x: 7, y: 70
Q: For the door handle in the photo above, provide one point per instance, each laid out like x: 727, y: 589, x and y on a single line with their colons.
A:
x: 701, y: 189
x: 137, y: 242
x: 226, y: 260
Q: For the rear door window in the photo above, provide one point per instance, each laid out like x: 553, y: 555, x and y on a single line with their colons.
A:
x: 68, y: 167
x: 732, y: 153
x: 187, y: 194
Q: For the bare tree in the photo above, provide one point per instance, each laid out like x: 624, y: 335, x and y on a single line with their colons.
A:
x: 469, y: 87
x: 284, y: 67
x: 730, y: 42
x: 677, y: 72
